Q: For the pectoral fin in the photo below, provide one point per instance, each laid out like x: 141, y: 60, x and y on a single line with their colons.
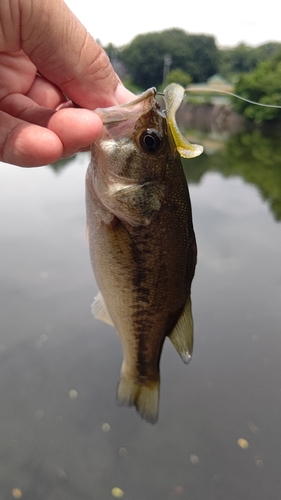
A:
x: 182, y: 335
x: 100, y: 311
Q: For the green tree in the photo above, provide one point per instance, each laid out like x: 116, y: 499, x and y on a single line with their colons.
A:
x: 144, y: 57
x: 263, y: 85
x: 178, y: 76
x: 243, y: 58
x: 236, y: 60
x: 267, y: 51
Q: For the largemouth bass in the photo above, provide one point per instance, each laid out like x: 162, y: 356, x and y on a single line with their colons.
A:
x: 141, y: 238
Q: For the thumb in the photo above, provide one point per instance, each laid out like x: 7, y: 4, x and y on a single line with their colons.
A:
x: 66, y: 54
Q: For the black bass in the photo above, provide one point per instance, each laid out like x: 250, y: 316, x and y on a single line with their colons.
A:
x: 142, y: 243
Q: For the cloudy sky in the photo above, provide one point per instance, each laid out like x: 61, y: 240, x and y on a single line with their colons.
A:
x: 119, y: 21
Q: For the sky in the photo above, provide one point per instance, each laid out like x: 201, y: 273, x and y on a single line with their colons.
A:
x: 119, y: 21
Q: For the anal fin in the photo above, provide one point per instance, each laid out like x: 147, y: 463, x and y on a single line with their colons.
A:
x: 182, y: 334
x: 99, y: 309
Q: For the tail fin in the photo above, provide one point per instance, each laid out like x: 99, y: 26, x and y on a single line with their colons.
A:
x: 144, y: 397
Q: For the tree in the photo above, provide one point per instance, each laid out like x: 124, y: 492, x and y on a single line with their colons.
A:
x: 178, y: 76
x: 267, y: 51
x: 243, y: 58
x: 144, y: 57
x: 240, y: 59
x: 263, y: 85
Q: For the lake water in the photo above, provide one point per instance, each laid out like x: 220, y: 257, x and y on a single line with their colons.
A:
x: 62, y: 436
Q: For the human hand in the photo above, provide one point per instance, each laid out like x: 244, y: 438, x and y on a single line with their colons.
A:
x: 37, y: 123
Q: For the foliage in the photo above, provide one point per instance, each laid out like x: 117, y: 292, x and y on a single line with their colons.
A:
x: 144, y: 57
x: 263, y: 85
x: 267, y: 51
x: 178, y: 76
x: 243, y: 58
x: 176, y: 56
x: 233, y: 61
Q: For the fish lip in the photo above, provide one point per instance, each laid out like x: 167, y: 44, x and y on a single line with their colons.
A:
x: 104, y: 113
x: 151, y: 92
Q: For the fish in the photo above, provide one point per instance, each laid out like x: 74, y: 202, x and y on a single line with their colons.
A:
x: 141, y: 239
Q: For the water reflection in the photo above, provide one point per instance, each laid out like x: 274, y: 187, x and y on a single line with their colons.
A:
x: 217, y: 438
x: 253, y: 156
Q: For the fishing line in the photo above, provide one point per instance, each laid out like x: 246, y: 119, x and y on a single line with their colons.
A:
x: 194, y: 90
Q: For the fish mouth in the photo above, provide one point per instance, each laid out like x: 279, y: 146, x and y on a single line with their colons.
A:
x: 151, y: 92
x: 121, y: 112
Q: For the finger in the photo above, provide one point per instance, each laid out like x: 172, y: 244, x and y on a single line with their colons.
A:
x: 24, y: 108
x: 19, y: 76
x: 26, y: 144
x: 45, y: 93
x: 63, y: 51
x: 17, y: 71
x: 76, y: 128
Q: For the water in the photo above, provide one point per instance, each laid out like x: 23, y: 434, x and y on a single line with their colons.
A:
x: 62, y: 436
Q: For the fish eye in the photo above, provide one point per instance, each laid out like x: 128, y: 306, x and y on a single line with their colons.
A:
x: 150, y: 140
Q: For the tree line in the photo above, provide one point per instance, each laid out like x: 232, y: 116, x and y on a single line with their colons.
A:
x: 157, y: 58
